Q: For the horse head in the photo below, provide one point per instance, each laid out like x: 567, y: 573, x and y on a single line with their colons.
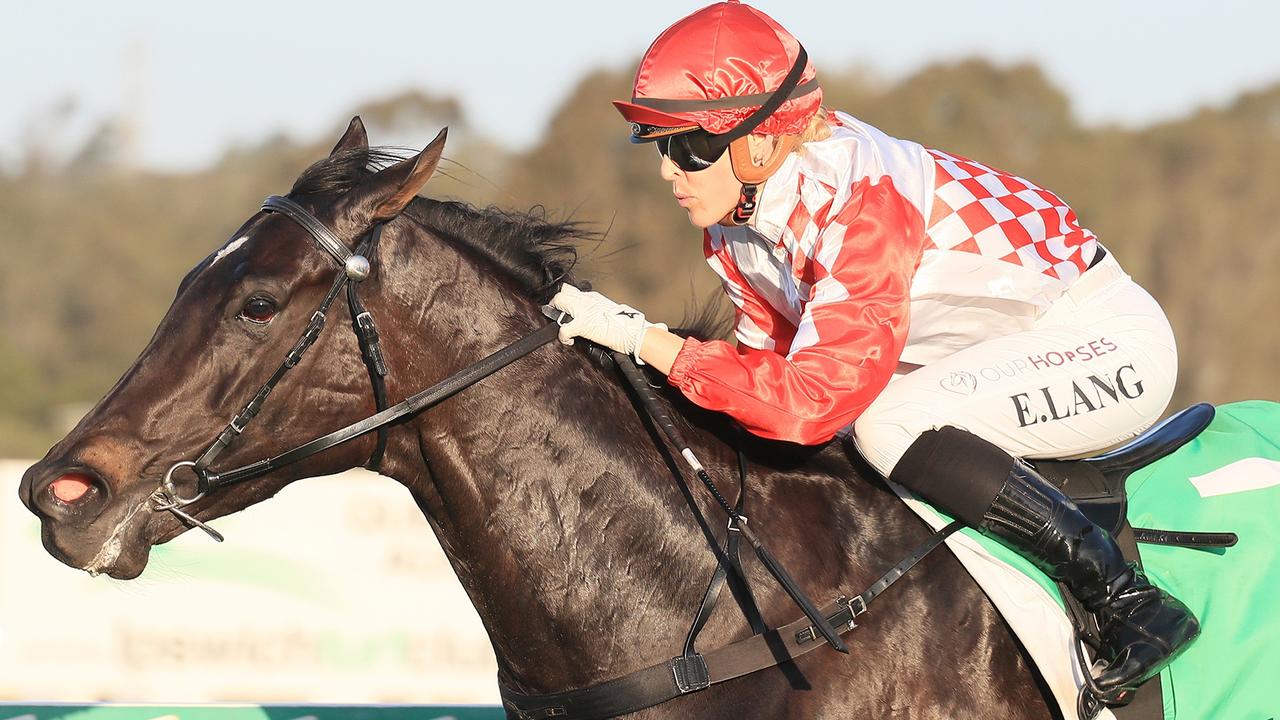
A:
x: 235, y: 315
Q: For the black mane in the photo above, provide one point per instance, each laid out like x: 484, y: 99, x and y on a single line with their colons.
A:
x: 535, y: 251
x: 538, y: 253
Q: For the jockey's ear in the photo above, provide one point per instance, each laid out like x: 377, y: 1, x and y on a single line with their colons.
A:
x: 761, y: 148
x: 756, y: 157
x: 355, y: 138
x: 382, y: 196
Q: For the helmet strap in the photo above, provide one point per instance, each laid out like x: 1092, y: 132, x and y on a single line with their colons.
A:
x: 745, y: 168
x: 745, y: 208
x: 752, y: 175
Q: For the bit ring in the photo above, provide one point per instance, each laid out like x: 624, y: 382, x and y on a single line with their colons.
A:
x: 171, y: 490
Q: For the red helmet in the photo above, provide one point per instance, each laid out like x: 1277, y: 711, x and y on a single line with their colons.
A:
x: 715, y: 67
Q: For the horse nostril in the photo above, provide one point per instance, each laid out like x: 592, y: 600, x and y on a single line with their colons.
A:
x: 71, y: 487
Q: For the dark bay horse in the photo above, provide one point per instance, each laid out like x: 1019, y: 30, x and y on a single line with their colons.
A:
x: 550, y: 492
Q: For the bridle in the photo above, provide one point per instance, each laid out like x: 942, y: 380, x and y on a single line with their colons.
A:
x: 353, y: 267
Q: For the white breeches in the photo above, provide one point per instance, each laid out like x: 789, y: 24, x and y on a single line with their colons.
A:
x: 1098, y: 368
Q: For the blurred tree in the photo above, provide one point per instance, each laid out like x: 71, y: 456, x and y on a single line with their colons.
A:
x: 94, y: 252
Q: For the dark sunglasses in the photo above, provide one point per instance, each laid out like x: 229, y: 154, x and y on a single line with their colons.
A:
x: 692, y: 151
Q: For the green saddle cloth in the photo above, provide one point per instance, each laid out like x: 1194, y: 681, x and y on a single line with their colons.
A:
x: 1225, y: 480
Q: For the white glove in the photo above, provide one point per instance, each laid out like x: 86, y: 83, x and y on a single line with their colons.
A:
x: 602, y: 321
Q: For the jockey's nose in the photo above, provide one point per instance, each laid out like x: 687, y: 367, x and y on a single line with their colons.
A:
x: 667, y: 169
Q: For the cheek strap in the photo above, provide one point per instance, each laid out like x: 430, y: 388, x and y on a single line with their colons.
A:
x: 750, y: 173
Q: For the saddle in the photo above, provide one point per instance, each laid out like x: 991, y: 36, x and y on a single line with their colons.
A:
x: 1097, y: 486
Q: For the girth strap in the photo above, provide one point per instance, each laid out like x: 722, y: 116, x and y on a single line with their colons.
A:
x: 675, y: 677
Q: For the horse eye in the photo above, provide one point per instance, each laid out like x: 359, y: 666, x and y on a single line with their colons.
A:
x: 259, y: 309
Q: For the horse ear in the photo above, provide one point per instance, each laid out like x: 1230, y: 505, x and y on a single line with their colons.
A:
x: 389, y: 191
x: 355, y: 138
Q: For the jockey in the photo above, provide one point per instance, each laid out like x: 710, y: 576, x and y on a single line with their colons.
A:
x: 955, y: 316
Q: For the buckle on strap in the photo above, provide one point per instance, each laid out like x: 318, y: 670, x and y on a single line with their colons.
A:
x: 850, y: 608
x: 857, y: 606
x: 370, y: 344
x: 690, y: 672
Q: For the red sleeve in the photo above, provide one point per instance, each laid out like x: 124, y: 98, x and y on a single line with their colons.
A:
x: 850, y: 335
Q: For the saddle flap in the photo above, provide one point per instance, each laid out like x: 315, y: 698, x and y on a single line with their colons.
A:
x: 1097, y: 484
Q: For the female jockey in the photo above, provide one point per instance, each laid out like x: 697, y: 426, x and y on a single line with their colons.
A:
x: 957, y: 316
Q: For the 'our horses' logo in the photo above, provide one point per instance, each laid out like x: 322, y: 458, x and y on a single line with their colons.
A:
x: 960, y: 382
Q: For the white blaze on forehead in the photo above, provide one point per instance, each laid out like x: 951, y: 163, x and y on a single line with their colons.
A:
x: 229, y: 248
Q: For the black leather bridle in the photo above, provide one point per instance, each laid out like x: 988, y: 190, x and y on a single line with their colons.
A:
x: 353, y: 268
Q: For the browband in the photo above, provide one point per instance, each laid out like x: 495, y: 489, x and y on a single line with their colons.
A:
x: 323, y: 235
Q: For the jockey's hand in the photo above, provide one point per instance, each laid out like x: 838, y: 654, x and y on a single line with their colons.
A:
x: 601, y: 320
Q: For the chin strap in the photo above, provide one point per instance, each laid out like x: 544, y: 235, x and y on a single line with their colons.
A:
x: 746, y: 206
x: 752, y: 176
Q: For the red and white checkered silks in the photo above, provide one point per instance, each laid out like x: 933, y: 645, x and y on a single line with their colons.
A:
x: 982, y: 210
x: 866, y: 250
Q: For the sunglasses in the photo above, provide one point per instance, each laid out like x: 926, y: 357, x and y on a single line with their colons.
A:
x: 692, y: 151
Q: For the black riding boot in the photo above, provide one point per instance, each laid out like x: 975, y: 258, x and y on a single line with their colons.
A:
x: 1142, y: 627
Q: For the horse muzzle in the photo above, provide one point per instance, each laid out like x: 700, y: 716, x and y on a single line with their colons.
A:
x: 83, y: 522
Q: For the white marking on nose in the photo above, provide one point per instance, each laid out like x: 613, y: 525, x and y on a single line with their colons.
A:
x: 231, y: 247
x: 1253, y: 473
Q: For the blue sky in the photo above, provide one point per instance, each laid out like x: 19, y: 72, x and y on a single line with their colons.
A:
x: 210, y: 73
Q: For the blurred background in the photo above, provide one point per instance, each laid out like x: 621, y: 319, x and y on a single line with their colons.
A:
x: 136, y: 137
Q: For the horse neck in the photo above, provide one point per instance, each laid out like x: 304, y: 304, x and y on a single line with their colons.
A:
x: 545, y: 489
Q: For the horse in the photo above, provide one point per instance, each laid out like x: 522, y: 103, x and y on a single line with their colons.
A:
x: 562, y: 512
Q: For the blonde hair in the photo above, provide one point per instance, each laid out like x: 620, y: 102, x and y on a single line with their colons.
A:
x: 819, y: 128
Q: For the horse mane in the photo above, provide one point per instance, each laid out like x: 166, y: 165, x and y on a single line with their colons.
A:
x: 534, y: 250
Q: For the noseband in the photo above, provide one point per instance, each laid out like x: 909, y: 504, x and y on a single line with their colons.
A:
x: 353, y: 267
